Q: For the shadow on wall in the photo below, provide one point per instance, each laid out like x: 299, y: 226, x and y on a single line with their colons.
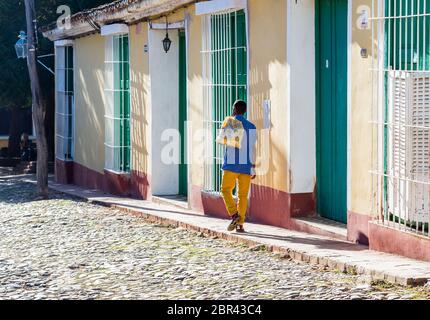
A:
x: 267, y: 81
x: 196, y: 114
x: 268, y: 148
x: 139, y: 132
x: 91, y: 145
x: 195, y: 105
x: 139, y: 114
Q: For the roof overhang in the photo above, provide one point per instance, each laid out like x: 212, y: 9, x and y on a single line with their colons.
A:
x: 114, y: 29
x: 63, y: 43
x: 120, y: 11
x: 217, y: 6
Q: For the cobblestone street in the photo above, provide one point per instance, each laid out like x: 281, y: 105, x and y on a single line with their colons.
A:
x: 64, y: 248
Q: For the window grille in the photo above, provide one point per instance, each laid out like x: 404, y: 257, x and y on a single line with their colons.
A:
x: 117, y: 104
x: 64, y: 102
x: 224, y: 56
x: 401, y: 113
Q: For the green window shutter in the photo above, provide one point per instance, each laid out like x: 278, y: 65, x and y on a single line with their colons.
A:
x: 121, y: 104
x: 241, y: 61
x: 125, y: 110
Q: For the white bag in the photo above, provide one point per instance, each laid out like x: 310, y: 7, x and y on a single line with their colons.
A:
x: 231, y: 133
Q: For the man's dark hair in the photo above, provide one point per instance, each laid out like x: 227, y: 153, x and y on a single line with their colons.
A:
x: 239, y: 108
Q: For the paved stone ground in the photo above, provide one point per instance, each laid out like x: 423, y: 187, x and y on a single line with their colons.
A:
x: 64, y: 248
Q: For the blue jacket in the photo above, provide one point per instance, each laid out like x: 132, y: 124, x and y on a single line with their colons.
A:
x: 242, y: 160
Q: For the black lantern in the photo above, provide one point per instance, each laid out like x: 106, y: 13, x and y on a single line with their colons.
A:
x: 167, y: 42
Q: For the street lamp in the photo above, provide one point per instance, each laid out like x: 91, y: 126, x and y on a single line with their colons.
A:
x: 167, y: 42
x: 21, y: 46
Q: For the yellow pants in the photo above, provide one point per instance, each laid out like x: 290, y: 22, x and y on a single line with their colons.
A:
x: 228, y: 184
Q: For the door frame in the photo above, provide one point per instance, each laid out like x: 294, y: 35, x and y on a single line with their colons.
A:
x: 186, y: 27
x: 349, y: 110
x: 176, y: 26
x: 155, y: 36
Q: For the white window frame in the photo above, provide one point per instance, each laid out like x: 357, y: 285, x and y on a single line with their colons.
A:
x: 110, y: 32
x: 62, y: 45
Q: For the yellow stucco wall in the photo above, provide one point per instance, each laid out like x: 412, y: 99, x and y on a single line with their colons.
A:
x: 140, y: 98
x: 89, y: 102
x: 361, y: 111
x: 268, y: 81
x: 195, y: 96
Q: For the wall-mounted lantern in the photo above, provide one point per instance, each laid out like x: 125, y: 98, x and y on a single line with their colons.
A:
x: 167, y: 42
x: 21, y: 46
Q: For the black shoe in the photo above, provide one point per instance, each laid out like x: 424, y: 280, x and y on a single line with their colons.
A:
x: 240, y: 229
x: 234, y: 221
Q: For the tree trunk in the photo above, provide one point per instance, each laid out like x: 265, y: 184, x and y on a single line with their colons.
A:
x: 14, y: 132
x: 50, y: 121
x: 38, y: 105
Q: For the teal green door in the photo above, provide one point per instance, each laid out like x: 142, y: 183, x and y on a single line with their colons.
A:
x: 183, y: 167
x: 331, y: 69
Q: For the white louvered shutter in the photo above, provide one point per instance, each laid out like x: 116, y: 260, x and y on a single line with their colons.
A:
x: 420, y: 145
x: 409, y: 145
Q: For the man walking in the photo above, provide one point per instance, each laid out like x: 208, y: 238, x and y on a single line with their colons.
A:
x: 239, y: 165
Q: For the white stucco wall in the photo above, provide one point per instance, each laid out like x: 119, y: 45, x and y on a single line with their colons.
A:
x: 164, y: 71
x: 301, y: 95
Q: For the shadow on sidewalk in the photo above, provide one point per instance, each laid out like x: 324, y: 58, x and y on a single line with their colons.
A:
x: 146, y: 207
x: 310, y: 240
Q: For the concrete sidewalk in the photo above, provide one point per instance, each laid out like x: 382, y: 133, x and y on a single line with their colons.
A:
x: 334, y: 254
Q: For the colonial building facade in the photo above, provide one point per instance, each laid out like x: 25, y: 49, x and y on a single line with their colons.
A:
x: 338, y: 89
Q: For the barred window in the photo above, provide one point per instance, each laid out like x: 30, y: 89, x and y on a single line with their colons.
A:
x: 117, y: 105
x: 224, y: 56
x: 401, y: 113
x: 64, y: 102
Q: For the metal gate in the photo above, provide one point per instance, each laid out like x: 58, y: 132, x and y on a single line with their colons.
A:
x: 401, y: 113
